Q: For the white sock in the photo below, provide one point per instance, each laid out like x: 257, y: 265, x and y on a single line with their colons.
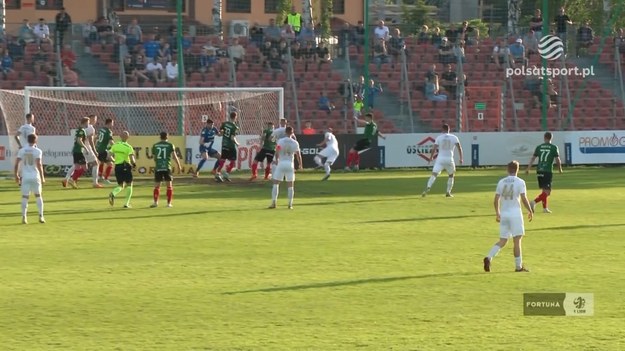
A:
x: 327, y: 168
x: 274, y: 193
x: 431, y: 181
x: 24, y: 206
x: 518, y: 261
x: 70, y: 172
x: 493, y: 252
x: 94, y: 174
x: 39, y: 200
x: 450, y: 184
x: 318, y: 161
x: 290, y: 192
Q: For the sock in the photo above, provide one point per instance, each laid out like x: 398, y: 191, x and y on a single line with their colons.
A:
x: 24, y: 206
x: 199, y: 165
x: 128, y: 194
x: 230, y: 166
x: 157, y: 193
x: 77, y: 173
x: 327, y: 168
x: 117, y: 190
x: 216, y: 165
x: 518, y: 261
x: 493, y: 252
x: 545, y: 200
x: 40, y: 205
x: 318, y: 161
x: 274, y: 193
x: 431, y: 181
x: 539, y: 198
x: 350, y: 159
x: 108, y: 172
x: 254, y: 169
x: 170, y: 194
x: 221, y: 165
x: 70, y: 172
x: 94, y: 174
x: 450, y: 184
x: 290, y: 192
x: 101, y: 169
x: 267, y: 171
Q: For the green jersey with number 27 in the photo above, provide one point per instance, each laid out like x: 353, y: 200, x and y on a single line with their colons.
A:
x: 546, y: 154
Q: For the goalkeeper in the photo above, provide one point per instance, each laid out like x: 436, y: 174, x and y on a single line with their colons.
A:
x: 125, y: 161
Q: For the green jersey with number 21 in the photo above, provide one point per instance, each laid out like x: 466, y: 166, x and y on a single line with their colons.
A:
x: 162, y: 152
x: 546, y: 154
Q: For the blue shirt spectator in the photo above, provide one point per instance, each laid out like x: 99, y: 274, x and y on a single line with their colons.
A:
x: 371, y: 91
x: 152, y: 48
x: 7, y: 63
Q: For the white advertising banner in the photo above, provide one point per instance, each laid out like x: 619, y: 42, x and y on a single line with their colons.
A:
x: 249, y: 146
x: 597, y: 147
x: 57, y: 150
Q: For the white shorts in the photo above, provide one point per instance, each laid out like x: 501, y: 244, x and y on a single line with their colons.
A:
x: 31, y: 185
x: 511, y: 226
x: 90, y: 156
x: 448, y: 165
x: 284, y: 171
x: 330, y: 154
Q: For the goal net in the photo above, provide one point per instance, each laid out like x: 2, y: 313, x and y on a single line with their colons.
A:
x: 178, y: 111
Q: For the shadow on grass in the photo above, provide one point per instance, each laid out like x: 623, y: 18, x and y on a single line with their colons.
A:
x: 399, y: 220
x: 155, y: 215
x: 354, y: 282
x: 580, y: 226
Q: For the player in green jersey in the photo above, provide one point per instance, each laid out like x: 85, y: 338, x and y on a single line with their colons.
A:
x: 362, y: 145
x: 266, y: 152
x: 104, y: 141
x: 546, y: 153
x: 79, y: 166
x: 229, y: 143
x: 124, y: 155
x: 163, y: 152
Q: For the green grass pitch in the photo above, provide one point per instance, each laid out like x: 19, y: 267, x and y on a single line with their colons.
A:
x: 361, y: 263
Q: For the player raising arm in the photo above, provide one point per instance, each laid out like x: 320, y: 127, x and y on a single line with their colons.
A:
x: 163, y: 152
x: 25, y: 130
x: 445, y: 144
x: 330, y: 152
x: 371, y: 131
x: 508, y: 197
x: 284, y: 169
x: 546, y: 154
x: 207, y: 139
x: 104, y: 142
x: 266, y: 152
x: 29, y: 174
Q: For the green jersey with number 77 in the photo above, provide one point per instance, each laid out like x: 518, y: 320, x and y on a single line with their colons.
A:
x: 546, y: 154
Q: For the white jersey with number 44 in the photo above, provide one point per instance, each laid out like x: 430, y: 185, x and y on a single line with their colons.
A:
x: 509, y: 190
x: 28, y: 154
x: 286, y: 149
x: 446, y: 145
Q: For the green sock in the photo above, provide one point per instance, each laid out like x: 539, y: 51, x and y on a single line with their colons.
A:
x: 117, y: 190
x: 128, y: 194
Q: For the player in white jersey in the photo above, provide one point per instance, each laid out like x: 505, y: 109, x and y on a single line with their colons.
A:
x: 330, y: 152
x: 510, y: 193
x: 89, y: 151
x: 29, y: 174
x: 280, y: 132
x: 445, y: 144
x: 25, y: 130
x: 284, y: 168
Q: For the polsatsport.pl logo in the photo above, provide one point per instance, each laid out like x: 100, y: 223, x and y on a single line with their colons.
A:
x: 551, y: 72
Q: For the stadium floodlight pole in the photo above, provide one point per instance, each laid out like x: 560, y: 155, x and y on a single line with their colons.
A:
x: 180, y: 66
x: 366, y: 51
x: 545, y: 95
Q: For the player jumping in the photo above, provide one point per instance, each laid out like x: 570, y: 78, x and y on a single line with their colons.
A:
x: 163, y: 152
x: 266, y: 152
x: 371, y: 131
x: 330, y: 153
x: 207, y: 139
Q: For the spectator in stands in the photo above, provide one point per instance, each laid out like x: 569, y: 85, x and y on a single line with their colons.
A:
x: 452, y: 33
x: 208, y: 58
x: 283, y: 50
x: 236, y: 52
x: 323, y: 55
x: 105, y: 31
x: 165, y: 52
x: 25, y: 33
x: 501, y: 54
x: 381, y: 31
x: 308, y: 129
x: 265, y: 53
x: 397, y: 44
x: 359, y: 86
x: 155, y: 70
x: 359, y: 35
x: 431, y: 73
x: 468, y: 34
x: 190, y: 62
x: 157, y: 33
x: 536, y: 24
x: 585, y: 37
x: 70, y: 78
x: 358, y: 106
x: 424, y: 35
x: 63, y: 22
x: 68, y: 57
x: 275, y: 61
x: 345, y: 37
x: 619, y: 40
x: 436, y: 37
x: 134, y: 34
x: 552, y: 94
x: 287, y: 33
x: 532, y: 81
x: 296, y: 52
x: 89, y: 35
x: 517, y: 51
x: 152, y: 47
x: 345, y: 91
x: 256, y: 35
x: 380, y: 53
x: 432, y: 91
x: 42, y: 32
x: 172, y: 30
x: 446, y: 52
x: 139, y: 63
x: 324, y: 103
x: 16, y: 50
x: 6, y: 64
x: 307, y: 34
x: 51, y: 74
x: 561, y: 21
x: 272, y: 32
x: 39, y: 58
x: 449, y: 81
x: 371, y: 91
x: 171, y: 70
x: 130, y: 70
x: 531, y: 44
x: 459, y: 51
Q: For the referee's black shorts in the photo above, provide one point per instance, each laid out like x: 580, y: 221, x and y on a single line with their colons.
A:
x: 123, y: 173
